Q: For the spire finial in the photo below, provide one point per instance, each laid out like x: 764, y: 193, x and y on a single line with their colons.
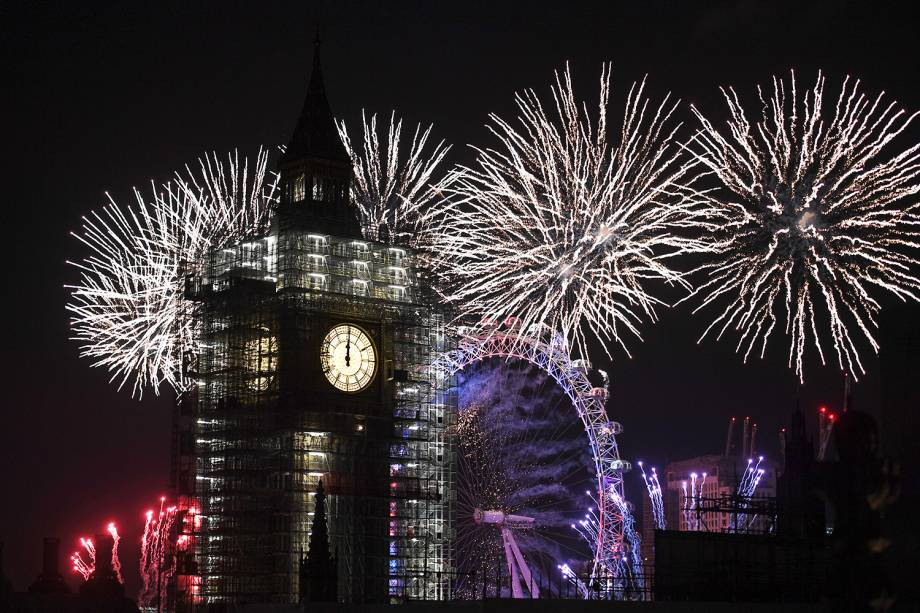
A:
x: 316, y: 44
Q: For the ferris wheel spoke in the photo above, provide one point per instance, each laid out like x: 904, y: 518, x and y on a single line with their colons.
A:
x: 524, y: 457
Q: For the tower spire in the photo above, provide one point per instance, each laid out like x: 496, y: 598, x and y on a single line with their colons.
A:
x: 316, y: 44
x: 316, y: 171
x: 319, y: 575
x: 315, y: 134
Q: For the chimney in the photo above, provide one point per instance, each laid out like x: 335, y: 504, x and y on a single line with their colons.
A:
x: 104, y: 545
x: 50, y: 580
x: 102, y: 589
x: 50, y: 548
x: 728, y: 439
x: 745, y: 438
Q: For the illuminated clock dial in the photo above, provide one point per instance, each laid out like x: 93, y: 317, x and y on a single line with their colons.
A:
x: 348, y: 358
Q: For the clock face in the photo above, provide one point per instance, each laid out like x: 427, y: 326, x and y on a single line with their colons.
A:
x: 348, y: 358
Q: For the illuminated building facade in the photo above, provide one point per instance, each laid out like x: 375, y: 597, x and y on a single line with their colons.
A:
x: 315, y: 363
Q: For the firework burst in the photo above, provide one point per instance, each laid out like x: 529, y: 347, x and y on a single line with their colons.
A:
x: 818, y: 220
x: 561, y: 228
x: 653, y: 486
x: 128, y: 309
x: 390, y: 192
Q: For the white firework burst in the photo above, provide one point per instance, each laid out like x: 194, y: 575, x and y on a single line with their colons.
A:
x: 128, y: 309
x: 561, y: 228
x: 390, y: 192
x: 818, y: 219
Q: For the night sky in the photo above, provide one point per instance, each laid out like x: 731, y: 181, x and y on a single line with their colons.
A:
x: 106, y: 97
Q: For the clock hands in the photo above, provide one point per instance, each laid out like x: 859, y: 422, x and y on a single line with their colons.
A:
x: 337, y: 365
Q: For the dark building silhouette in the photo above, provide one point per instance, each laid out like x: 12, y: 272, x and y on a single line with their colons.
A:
x: 103, y: 585
x: 860, y: 488
x: 899, y: 360
x: 101, y: 593
x: 900, y: 444
x: 799, y: 507
x: 50, y: 581
x: 719, y: 567
x: 6, y: 588
x: 787, y: 561
x: 319, y: 579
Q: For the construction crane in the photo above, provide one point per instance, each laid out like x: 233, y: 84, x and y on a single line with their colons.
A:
x: 728, y: 439
x: 746, y: 438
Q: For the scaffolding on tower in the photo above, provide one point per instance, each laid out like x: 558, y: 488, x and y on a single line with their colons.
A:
x: 253, y: 439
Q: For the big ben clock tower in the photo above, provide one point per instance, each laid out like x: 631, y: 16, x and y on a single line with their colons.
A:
x: 315, y: 365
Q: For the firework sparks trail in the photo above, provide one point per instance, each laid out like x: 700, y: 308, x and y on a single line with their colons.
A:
x: 659, y: 498
x: 587, y: 527
x: 697, y: 496
x: 561, y: 228
x: 818, y: 222
x: 685, y: 507
x: 694, y: 502
x: 757, y: 479
x: 631, y: 559
x: 751, y: 478
x: 388, y: 191
x: 758, y: 475
x: 692, y: 499
x: 749, y: 520
x: 653, y: 487
x: 569, y: 575
x: 116, y: 562
x: 746, y: 489
x: 84, y: 567
x: 702, y: 518
x: 742, y: 486
x: 87, y: 566
x: 158, y: 554
x: 128, y: 309
x: 145, y: 562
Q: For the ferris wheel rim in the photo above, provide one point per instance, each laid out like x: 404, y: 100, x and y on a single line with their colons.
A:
x: 589, y: 404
